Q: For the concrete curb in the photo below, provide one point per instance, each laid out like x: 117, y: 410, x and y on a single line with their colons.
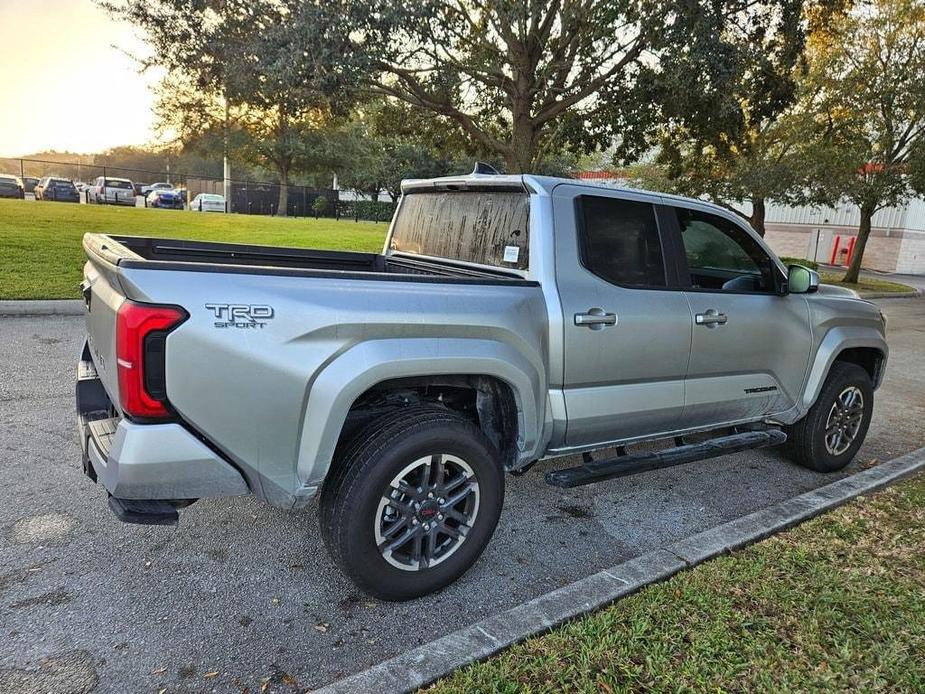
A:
x: 421, y: 666
x: 893, y: 295
x: 42, y: 307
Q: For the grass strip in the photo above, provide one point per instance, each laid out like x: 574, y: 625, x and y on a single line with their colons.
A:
x: 836, y: 604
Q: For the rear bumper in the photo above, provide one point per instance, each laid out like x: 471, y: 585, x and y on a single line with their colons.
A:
x: 145, y: 461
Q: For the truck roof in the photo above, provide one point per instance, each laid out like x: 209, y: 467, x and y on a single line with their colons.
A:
x: 544, y: 185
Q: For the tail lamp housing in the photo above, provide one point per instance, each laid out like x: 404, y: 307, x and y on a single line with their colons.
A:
x: 141, y: 338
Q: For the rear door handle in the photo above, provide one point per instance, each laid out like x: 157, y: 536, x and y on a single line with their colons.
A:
x: 710, y: 318
x: 595, y: 318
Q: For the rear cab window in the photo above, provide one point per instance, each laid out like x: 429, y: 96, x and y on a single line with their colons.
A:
x: 619, y: 241
x: 482, y: 227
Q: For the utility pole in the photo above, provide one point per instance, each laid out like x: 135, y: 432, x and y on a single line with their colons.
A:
x: 226, y: 173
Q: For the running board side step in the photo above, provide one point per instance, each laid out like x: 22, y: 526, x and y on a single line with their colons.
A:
x: 624, y: 465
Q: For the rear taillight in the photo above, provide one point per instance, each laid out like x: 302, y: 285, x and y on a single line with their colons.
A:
x: 141, y: 337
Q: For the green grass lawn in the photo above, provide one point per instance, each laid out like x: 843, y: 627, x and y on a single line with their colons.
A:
x: 867, y: 284
x: 40, y: 242
x: 837, y: 604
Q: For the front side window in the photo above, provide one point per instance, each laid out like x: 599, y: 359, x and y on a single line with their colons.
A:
x: 488, y: 228
x: 619, y: 241
x: 723, y: 257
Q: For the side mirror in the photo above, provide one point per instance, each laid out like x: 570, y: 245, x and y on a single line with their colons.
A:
x: 802, y: 280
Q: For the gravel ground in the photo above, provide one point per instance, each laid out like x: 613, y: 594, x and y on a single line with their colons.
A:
x: 242, y: 595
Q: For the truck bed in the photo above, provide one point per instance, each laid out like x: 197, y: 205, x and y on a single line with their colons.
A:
x: 211, y: 256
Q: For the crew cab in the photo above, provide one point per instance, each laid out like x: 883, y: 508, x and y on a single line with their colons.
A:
x: 507, y: 320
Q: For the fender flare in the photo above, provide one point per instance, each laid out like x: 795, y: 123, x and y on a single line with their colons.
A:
x: 357, y: 369
x: 836, y: 341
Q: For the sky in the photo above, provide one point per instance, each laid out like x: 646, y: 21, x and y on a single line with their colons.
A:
x: 64, y: 82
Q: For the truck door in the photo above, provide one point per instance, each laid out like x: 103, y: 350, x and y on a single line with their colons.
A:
x: 751, y: 345
x: 627, y: 325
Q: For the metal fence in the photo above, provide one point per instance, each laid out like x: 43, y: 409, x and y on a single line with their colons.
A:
x: 247, y: 197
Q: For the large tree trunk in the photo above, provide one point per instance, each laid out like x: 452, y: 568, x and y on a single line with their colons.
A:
x: 854, y: 269
x: 758, y: 213
x: 523, y: 141
x: 283, y: 203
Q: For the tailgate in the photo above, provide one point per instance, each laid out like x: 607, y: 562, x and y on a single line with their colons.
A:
x: 102, y: 299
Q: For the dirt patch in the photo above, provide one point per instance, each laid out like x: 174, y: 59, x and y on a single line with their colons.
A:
x: 576, y: 511
x: 70, y: 672
x: 54, y: 597
x: 48, y: 529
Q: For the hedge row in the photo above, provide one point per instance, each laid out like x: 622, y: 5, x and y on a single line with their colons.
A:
x: 369, y: 210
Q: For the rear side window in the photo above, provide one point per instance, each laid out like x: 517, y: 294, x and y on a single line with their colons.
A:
x: 619, y: 241
x: 488, y: 228
x: 124, y: 185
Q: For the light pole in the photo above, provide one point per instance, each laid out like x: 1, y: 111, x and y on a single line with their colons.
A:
x: 226, y: 166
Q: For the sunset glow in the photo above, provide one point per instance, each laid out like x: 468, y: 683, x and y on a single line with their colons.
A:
x: 64, y: 82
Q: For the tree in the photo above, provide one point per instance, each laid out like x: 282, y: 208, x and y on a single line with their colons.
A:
x: 719, y: 107
x: 271, y: 73
x: 526, y: 78
x: 390, y: 141
x: 866, y: 86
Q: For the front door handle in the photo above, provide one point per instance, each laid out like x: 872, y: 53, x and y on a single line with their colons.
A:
x: 595, y: 318
x: 710, y: 318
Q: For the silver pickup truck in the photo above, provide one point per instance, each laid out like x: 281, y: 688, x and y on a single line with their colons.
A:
x: 509, y: 319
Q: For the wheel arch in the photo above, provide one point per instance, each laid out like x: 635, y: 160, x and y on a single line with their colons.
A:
x: 859, y: 346
x: 502, y: 388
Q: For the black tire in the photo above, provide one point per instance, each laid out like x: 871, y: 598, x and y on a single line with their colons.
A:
x: 351, y: 511
x: 806, y: 439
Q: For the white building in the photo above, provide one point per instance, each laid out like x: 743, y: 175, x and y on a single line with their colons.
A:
x: 827, y: 235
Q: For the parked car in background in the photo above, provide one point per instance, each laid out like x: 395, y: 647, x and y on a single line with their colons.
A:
x: 208, y: 202
x: 146, y: 189
x: 11, y: 187
x: 168, y: 199
x: 112, y: 191
x: 29, y: 183
x: 82, y: 187
x: 57, y: 189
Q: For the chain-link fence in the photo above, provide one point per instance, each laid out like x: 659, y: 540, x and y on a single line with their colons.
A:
x: 247, y: 197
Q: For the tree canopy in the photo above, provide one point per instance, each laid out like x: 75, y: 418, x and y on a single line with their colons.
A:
x: 526, y: 78
x: 866, y: 94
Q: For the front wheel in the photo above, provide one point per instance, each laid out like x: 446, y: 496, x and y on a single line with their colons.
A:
x: 412, y: 502
x: 830, y: 434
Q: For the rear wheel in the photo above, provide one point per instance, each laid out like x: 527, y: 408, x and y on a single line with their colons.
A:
x: 830, y: 434
x: 412, y: 502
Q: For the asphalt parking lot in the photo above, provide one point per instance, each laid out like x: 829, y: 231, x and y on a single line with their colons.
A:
x: 241, y: 594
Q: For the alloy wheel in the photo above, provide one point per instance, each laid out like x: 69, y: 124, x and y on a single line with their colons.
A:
x: 844, y: 420
x: 426, y: 512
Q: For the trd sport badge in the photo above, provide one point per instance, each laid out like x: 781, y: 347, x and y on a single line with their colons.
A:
x: 240, y: 315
